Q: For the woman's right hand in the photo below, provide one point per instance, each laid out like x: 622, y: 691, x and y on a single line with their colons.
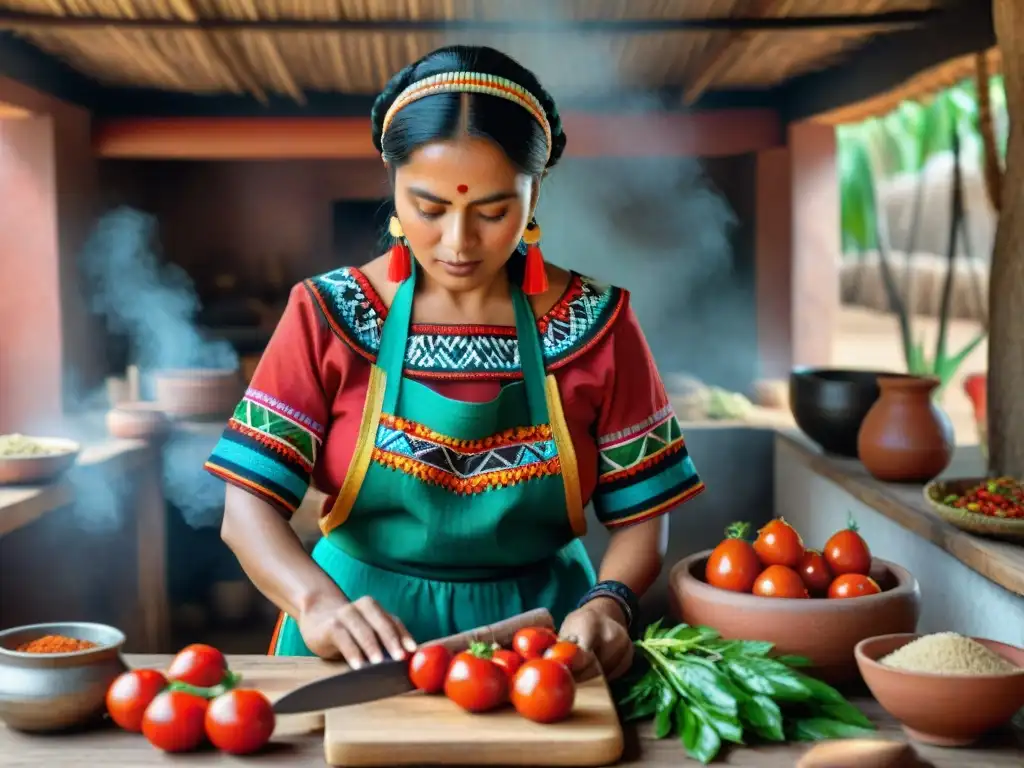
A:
x: 357, y: 631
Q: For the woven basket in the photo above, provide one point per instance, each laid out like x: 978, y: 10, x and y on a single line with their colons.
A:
x: 983, y: 525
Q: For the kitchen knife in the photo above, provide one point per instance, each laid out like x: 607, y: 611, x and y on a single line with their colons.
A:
x: 391, y: 678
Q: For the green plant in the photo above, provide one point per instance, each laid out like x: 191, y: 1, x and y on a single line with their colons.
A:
x: 900, y: 142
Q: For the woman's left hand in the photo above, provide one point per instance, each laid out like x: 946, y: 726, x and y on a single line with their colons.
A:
x: 599, y: 627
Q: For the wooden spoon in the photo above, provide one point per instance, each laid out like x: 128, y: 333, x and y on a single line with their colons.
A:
x: 862, y: 753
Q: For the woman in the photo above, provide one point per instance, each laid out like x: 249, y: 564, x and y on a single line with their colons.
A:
x: 459, y: 406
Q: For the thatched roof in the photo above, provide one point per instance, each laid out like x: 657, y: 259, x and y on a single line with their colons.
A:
x: 240, y: 46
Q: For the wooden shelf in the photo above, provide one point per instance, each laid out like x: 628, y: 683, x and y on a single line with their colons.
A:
x: 1000, y: 562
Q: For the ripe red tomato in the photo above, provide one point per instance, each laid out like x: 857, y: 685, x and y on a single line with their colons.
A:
x: 847, y: 552
x: 531, y: 642
x: 780, y: 581
x: 543, y: 691
x: 240, y: 721
x: 853, y: 585
x: 564, y: 652
x: 428, y: 667
x: 130, y: 694
x: 476, y: 683
x: 814, y: 571
x: 174, y: 721
x: 778, y: 543
x: 733, y: 564
x: 508, y: 660
x: 200, y: 665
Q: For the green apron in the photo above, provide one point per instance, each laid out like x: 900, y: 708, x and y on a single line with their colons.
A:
x: 455, y: 515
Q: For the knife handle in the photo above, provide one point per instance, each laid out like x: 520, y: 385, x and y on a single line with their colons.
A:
x: 500, y: 633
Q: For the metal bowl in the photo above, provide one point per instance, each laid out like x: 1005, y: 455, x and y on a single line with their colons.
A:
x: 56, y: 691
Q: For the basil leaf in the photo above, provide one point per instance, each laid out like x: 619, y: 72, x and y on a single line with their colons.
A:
x: 764, y: 717
x: 706, y: 743
x: 793, y: 661
x: 847, y: 713
x: 822, y: 728
x: 727, y: 728
x: 747, y: 648
x: 641, y: 710
x: 663, y: 716
x: 682, y: 632
x: 766, y: 676
x: 652, y: 630
x: 686, y: 726
x: 822, y: 691
x: 707, y: 684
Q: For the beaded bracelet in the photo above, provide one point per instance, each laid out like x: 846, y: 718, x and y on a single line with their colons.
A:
x: 624, y: 596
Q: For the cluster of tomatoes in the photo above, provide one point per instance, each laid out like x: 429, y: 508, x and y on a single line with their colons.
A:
x: 535, y: 675
x: 195, y: 701
x: 777, y: 564
x: 1000, y: 497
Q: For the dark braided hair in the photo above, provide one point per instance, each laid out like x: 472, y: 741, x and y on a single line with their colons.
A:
x: 437, y: 117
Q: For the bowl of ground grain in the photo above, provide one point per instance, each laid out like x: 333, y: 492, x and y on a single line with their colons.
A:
x: 56, y: 676
x: 35, y: 460
x: 944, y: 688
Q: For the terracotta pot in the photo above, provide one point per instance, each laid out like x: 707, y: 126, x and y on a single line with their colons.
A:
x: 945, y: 710
x: 138, y: 421
x: 198, y: 393
x: 905, y: 438
x: 825, y: 631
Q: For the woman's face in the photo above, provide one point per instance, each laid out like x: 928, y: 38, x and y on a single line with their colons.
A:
x: 463, y: 207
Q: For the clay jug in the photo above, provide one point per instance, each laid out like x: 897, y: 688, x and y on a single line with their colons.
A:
x: 905, y: 437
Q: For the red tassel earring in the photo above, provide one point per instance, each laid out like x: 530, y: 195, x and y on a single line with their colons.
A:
x: 399, y: 260
x: 535, y: 276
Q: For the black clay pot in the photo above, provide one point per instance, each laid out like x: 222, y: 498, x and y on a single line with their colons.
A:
x: 829, y: 405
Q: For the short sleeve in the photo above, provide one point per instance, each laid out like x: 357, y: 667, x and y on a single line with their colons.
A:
x: 272, y: 441
x: 644, y: 468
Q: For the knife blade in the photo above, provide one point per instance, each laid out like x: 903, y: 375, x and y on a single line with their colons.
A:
x: 391, y: 678
x: 376, y: 681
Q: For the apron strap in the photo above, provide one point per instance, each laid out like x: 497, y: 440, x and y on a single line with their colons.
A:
x: 395, y: 337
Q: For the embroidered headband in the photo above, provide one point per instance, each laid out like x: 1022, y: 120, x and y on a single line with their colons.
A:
x: 470, y: 82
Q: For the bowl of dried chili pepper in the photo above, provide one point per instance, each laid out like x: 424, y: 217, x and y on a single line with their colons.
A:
x: 55, y: 676
x: 987, y: 506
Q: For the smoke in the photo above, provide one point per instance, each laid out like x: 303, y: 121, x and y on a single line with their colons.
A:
x: 657, y: 226
x: 153, y: 305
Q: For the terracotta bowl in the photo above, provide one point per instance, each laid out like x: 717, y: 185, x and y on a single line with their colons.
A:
x: 824, y: 631
x: 945, y: 710
x: 32, y: 469
x: 137, y: 421
x: 198, y: 393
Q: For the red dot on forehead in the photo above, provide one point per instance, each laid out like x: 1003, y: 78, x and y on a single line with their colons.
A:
x: 463, y: 189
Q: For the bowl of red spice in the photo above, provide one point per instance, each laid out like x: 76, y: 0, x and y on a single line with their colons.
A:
x: 987, y: 506
x: 56, y: 676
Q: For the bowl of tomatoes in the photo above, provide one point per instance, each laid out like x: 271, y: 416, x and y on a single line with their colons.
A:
x: 813, y: 603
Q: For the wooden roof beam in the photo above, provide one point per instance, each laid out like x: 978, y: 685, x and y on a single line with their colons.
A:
x: 712, y: 133
x: 725, y: 51
x: 28, y: 22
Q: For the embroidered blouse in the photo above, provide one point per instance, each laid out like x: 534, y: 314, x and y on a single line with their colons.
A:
x: 298, y: 422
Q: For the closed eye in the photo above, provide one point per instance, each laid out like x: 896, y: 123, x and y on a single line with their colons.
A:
x: 494, y: 216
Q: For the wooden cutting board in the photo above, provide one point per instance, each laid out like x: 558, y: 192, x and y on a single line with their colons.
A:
x: 417, y: 729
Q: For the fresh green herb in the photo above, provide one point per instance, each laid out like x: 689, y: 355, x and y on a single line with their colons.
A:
x: 710, y: 691
x: 231, y: 680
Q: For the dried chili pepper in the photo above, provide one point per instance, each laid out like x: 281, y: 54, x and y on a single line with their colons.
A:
x: 1001, y: 497
x: 55, y: 644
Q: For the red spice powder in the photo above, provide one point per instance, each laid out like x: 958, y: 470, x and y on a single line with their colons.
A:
x: 55, y: 644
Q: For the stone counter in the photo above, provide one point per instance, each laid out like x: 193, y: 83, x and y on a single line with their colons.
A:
x: 969, y: 584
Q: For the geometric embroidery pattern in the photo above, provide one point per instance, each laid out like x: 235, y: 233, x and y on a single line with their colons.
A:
x: 276, y: 431
x: 639, y: 447
x: 466, y: 466
x: 576, y: 323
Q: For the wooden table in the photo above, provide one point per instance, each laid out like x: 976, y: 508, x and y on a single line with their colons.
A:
x: 299, y: 743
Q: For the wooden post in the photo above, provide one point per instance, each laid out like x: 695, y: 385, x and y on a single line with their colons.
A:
x: 1006, y: 290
